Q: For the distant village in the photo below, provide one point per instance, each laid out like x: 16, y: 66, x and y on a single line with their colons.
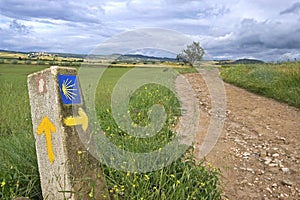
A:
x: 39, y: 54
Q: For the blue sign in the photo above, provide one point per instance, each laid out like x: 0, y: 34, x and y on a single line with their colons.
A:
x: 69, y: 89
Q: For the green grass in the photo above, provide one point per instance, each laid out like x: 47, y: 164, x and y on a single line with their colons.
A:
x: 278, y: 81
x: 18, y: 166
x: 14, y: 102
x: 183, y: 179
x: 139, y: 106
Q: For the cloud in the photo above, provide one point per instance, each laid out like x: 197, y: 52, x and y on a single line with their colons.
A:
x: 213, y: 11
x: 232, y: 28
x: 142, y: 39
x: 19, y: 28
x: 294, y: 9
x: 52, y: 9
x: 256, y: 39
x: 269, y: 34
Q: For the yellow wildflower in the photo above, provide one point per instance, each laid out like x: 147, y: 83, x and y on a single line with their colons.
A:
x: 3, y: 183
x: 122, y: 187
x: 91, y: 194
x: 146, y: 177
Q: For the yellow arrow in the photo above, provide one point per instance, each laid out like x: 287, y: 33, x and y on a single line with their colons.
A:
x: 47, y: 127
x: 81, y: 120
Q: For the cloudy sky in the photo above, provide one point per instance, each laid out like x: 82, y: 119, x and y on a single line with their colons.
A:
x: 231, y: 29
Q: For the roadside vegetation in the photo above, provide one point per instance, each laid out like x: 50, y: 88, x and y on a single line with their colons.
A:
x: 279, y: 81
x: 183, y: 179
x: 18, y: 167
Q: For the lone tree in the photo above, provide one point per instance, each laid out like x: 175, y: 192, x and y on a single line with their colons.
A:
x: 191, y: 54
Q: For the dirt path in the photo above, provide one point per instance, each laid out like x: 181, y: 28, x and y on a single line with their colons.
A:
x: 258, y: 150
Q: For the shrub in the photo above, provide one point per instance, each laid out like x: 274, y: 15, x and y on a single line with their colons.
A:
x: 65, y: 64
x: 14, y: 62
x: 40, y: 62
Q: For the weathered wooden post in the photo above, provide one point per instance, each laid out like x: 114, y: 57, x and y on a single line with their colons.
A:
x: 67, y: 170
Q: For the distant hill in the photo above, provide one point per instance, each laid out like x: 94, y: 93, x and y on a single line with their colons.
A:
x: 248, y: 61
x: 70, y: 55
x: 138, y: 57
x: 116, y: 57
x: 8, y: 51
x: 240, y: 61
x: 64, y: 55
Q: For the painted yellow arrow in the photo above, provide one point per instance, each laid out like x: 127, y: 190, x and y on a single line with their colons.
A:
x: 82, y: 119
x: 47, y: 127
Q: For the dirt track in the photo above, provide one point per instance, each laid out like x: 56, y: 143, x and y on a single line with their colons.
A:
x: 258, y: 150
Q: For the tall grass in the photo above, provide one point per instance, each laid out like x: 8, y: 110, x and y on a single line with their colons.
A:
x: 278, y: 81
x: 139, y: 106
x: 14, y: 102
x: 183, y: 179
x: 18, y: 167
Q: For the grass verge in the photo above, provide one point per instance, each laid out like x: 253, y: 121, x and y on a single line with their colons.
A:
x: 278, y: 81
x: 18, y: 167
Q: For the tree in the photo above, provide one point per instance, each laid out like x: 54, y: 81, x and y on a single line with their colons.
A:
x: 193, y: 52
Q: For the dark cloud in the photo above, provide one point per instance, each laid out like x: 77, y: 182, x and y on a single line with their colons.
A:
x: 258, y: 39
x: 226, y: 29
x: 52, y: 9
x: 19, y: 28
x: 214, y: 11
x: 294, y: 9
x: 268, y: 34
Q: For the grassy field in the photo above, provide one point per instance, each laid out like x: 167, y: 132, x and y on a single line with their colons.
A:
x: 23, y: 58
x: 183, y: 179
x: 278, y: 81
x: 18, y: 167
x: 76, y: 60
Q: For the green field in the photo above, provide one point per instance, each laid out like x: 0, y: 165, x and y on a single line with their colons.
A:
x: 278, y: 81
x: 183, y: 179
x: 18, y: 168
